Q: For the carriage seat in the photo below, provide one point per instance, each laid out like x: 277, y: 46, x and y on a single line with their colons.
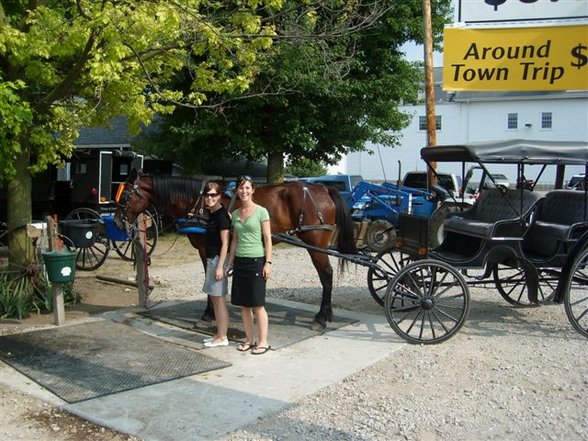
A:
x: 496, y: 213
x: 561, y: 215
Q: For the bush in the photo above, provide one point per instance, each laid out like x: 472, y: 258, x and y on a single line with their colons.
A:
x: 15, y: 297
x: 18, y: 298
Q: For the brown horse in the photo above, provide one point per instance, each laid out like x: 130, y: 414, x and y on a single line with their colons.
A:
x: 308, y: 211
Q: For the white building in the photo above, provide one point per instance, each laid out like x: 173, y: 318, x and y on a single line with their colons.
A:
x: 476, y: 116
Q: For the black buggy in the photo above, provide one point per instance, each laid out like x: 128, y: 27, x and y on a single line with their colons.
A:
x: 532, y: 245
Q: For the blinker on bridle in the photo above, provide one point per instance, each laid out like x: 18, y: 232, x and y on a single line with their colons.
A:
x: 123, y: 197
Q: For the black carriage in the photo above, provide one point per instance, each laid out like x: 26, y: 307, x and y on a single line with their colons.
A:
x: 82, y: 193
x: 532, y: 245
x: 88, y: 186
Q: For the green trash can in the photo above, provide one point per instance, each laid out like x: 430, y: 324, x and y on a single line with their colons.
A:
x: 61, y: 266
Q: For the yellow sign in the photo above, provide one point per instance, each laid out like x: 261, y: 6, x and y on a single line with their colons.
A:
x: 540, y: 58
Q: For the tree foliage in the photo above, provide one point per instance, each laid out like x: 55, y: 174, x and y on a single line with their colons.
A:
x: 329, y: 85
x: 66, y: 64
x: 80, y: 63
x: 305, y: 167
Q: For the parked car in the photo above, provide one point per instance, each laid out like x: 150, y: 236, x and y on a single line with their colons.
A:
x: 449, y: 181
x: 498, y: 180
x: 343, y: 183
x: 578, y: 182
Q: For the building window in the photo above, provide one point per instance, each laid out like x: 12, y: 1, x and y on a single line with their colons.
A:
x: 423, y: 122
x: 546, y: 120
x: 512, y: 121
x: 81, y: 168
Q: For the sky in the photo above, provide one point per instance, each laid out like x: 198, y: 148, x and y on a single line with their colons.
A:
x: 416, y: 52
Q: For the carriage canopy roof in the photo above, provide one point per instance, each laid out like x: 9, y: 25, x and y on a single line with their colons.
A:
x: 510, y: 151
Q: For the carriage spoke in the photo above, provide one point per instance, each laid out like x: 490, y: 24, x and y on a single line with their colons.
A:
x: 414, y: 321
x: 448, y: 286
x: 513, y: 286
x: 433, y: 333
x: 389, y: 262
x: 445, y: 328
x: 446, y: 315
x: 421, y: 335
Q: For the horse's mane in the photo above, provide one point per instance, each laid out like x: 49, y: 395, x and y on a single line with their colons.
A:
x: 169, y: 189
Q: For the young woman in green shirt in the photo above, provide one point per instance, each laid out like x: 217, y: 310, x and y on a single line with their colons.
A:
x: 250, y: 257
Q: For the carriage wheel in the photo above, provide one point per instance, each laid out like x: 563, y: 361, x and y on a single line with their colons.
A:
x: 427, y: 302
x: 92, y: 257
x: 389, y: 262
x: 21, y: 271
x: 125, y: 248
x: 576, y: 298
x: 514, y: 285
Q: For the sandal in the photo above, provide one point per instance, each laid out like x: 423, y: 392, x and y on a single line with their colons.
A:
x: 244, y: 347
x: 261, y: 350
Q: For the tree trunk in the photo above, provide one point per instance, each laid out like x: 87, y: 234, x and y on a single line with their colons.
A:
x: 275, y: 168
x: 19, y: 212
x: 18, y: 197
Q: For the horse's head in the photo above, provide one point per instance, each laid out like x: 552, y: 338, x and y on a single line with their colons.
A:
x: 133, y: 198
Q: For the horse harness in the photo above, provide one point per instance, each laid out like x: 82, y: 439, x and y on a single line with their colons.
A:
x: 301, y: 227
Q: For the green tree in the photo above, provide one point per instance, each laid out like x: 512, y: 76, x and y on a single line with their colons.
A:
x: 69, y: 64
x: 325, y: 90
x: 305, y: 167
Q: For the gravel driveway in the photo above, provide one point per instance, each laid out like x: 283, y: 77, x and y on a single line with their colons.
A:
x: 509, y: 374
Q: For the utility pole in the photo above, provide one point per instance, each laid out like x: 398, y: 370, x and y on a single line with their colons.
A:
x: 429, y: 85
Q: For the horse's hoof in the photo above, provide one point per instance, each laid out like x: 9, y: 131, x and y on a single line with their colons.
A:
x: 316, y: 326
x: 206, y: 317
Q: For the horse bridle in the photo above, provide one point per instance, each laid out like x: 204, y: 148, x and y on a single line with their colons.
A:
x: 124, y: 200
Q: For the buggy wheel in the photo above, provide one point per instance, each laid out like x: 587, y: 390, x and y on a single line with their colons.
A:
x: 21, y: 270
x: 515, y: 284
x: 126, y: 250
x: 427, y: 302
x: 380, y: 235
x: 91, y: 257
x: 389, y: 262
x: 576, y: 298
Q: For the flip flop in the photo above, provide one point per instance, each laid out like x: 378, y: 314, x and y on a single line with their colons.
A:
x: 262, y: 350
x: 244, y: 347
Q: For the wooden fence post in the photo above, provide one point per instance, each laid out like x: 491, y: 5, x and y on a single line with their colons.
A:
x: 141, y: 261
x: 56, y: 288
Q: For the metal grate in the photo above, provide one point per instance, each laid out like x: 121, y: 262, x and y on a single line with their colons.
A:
x: 86, y: 361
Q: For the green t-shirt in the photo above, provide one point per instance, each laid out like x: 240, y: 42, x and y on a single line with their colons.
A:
x: 250, y: 235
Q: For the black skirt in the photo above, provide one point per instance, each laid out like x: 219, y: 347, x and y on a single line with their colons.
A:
x: 248, y: 288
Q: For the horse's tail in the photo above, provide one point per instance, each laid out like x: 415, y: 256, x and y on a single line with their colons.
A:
x: 345, y: 240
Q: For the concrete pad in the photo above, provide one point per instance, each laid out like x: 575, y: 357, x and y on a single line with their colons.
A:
x: 215, y: 403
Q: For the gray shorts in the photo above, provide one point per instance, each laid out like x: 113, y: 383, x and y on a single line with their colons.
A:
x: 212, y: 286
